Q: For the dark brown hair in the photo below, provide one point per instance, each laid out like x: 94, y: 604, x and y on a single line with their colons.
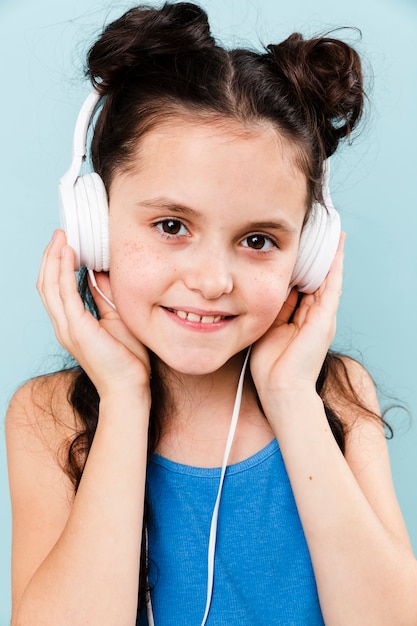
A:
x: 153, y: 64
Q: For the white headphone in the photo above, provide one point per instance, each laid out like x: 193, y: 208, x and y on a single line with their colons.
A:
x: 83, y: 200
x: 84, y: 216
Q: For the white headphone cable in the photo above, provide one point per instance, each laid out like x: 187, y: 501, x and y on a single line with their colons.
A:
x: 214, y: 519
x: 213, y: 528
x: 149, y: 612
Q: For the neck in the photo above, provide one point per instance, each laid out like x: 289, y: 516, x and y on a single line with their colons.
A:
x: 200, y: 409
x: 188, y: 394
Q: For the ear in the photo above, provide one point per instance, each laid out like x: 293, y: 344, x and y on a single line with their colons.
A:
x: 101, y: 289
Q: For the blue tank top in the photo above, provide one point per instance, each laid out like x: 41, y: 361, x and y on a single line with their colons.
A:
x: 263, y: 572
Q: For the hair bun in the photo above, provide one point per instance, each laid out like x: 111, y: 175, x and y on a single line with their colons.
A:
x: 143, y: 34
x: 325, y: 75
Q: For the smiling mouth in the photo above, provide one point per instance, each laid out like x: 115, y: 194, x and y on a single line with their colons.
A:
x: 199, y: 319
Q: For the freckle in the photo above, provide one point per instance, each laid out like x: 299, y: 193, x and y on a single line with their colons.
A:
x: 310, y: 478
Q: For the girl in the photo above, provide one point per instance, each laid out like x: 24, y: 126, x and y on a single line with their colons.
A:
x: 213, y: 165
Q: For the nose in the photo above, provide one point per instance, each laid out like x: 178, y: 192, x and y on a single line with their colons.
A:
x: 210, y: 273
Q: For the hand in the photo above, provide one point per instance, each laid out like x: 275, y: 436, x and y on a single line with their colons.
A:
x: 112, y: 357
x: 290, y: 355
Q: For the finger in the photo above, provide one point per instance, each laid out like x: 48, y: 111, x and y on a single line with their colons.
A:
x: 48, y: 281
x: 331, y: 290
x: 324, y: 302
x: 59, y: 290
x: 40, y: 279
x: 287, y: 308
x: 68, y: 287
x: 45, y: 258
x: 307, y: 301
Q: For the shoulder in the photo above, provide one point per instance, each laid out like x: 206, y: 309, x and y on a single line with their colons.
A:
x: 40, y: 418
x: 44, y: 397
x: 350, y: 391
x: 39, y: 424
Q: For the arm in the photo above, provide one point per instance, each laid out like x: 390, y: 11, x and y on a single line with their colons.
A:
x: 76, y: 558
x: 364, y: 566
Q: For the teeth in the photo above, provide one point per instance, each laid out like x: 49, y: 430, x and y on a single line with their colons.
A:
x: 193, y: 317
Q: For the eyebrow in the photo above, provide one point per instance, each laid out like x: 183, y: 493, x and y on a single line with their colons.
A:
x: 170, y: 206
x: 175, y: 208
x: 282, y: 226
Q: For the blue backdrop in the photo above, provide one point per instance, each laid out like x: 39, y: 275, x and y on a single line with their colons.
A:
x: 42, y: 47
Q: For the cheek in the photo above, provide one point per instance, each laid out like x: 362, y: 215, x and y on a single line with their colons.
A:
x: 268, y: 295
x: 133, y: 272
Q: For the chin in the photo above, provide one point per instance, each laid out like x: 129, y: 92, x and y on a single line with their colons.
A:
x: 199, y: 364
x: 194, y: 368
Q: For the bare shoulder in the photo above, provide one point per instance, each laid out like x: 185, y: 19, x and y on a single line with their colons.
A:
x: 40, y: 411
x: 351, y: 393
x: 39, y: 425
x: 350, y: 390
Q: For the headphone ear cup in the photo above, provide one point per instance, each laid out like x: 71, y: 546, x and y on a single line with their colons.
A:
x: 69, y: 217
x: 318, y: 245
x: 93, y: 222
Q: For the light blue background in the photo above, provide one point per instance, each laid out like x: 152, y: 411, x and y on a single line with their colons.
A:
x: 42, y: 48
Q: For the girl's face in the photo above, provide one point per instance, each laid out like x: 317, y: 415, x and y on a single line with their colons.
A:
x: 204, y: 234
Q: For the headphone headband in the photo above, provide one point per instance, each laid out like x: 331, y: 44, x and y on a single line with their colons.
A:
x: 79, y: 145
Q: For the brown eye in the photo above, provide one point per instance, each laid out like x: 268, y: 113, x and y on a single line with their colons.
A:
x: 258, y: 242
x: 171, y: 227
